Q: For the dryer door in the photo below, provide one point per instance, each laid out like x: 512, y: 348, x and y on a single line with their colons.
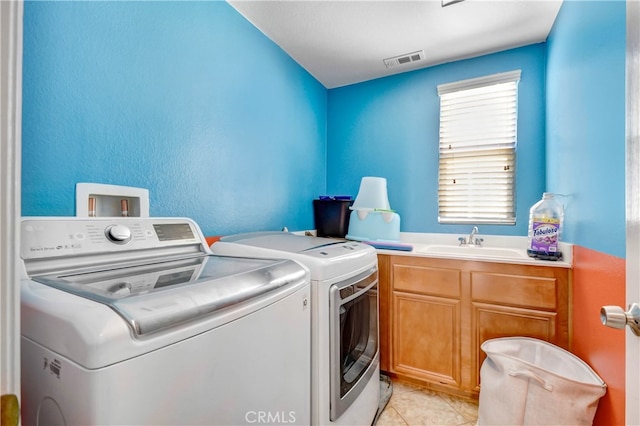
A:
x: 353, y: 329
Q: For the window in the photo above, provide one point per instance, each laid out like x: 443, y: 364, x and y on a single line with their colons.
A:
x: 478, y: 135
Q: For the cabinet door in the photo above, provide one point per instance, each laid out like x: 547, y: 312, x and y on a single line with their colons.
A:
x: 426, y: 338
x: 426, y: 320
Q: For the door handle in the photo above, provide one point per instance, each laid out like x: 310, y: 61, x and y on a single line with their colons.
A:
x: 616, y: 317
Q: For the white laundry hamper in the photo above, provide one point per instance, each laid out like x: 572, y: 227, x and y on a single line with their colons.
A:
x: 525, y: 381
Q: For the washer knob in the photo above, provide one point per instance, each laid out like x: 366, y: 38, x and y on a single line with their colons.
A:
x: 118, y: 234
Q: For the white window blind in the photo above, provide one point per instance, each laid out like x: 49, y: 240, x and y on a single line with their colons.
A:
x: 478, y: 135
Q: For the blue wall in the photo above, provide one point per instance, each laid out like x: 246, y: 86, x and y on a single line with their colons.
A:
x: 586, y: 122
x: 187, y: 99
x: 389, y: 128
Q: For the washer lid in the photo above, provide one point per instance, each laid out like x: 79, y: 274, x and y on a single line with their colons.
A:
x: 157, y: 296
x: 282, y: 241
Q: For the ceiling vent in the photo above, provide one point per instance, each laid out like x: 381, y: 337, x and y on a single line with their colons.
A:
x: 405, y: 59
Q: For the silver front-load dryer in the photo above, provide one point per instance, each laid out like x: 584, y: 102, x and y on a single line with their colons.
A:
x: 345, y: 380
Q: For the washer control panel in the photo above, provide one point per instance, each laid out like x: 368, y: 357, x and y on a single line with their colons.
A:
x: 54, y: 237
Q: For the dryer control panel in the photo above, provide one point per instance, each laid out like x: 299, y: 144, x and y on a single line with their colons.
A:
x: 337, y: 250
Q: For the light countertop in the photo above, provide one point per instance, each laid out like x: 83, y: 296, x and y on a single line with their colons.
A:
x: 495, y: 248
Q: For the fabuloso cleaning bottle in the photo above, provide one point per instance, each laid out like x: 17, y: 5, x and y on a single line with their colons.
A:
x: 546, y: 219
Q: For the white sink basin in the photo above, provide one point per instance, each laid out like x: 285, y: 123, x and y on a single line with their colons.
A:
x: 473, y: 251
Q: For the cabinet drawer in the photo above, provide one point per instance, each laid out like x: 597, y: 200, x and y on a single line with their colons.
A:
x: 514, y: 290
x: 427, y: 280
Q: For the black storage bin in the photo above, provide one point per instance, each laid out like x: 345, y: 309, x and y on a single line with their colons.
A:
x: 331, y: 217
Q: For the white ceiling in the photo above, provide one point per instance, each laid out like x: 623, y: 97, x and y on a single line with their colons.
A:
x: 345, y: 41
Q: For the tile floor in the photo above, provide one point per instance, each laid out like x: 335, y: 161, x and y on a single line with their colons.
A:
x: 412, y: 405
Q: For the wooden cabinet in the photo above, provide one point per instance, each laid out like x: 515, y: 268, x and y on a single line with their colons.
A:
x: 435, y: 314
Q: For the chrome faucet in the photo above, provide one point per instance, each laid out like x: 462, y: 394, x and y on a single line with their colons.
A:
x: 473, y: 233
x: 470, y: 241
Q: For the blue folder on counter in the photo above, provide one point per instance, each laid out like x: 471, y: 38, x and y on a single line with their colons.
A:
x: 389, y: 245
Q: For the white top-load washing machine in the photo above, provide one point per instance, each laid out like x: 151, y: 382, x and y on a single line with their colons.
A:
x: 133, y: 321
x: 344, y: 316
